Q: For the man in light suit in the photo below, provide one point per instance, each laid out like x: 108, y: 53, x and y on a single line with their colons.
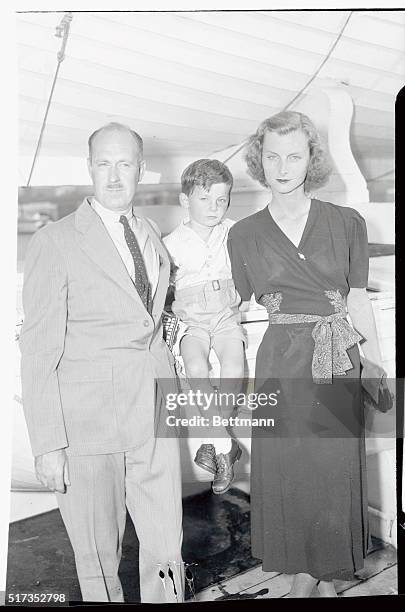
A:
x: 92, y: 353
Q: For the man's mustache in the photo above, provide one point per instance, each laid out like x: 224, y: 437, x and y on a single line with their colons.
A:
x: 115, y: 186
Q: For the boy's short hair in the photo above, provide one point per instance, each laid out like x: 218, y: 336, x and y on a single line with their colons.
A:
x: 205, y: 173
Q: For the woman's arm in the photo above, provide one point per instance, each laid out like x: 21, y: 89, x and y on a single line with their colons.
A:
x: 239, y: 274
x: 362, y: 317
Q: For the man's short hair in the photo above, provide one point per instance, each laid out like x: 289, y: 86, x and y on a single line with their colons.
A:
x: 114, y: 126
x: 205, y: 173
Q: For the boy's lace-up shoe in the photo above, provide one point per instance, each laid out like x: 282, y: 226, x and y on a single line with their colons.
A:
x: 205, y: 458
x: 225, y: 474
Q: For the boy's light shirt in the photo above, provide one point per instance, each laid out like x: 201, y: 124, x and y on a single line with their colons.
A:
x: 111, y: 221
x: 199, y: 261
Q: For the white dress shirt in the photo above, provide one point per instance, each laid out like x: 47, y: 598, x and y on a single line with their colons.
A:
x: 111, y: 220
x: 199, y: 261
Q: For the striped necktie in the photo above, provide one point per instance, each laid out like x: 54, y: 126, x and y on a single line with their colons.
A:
x: 142, y: 283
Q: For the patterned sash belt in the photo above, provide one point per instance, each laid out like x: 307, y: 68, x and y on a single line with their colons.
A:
x: 332, y: 335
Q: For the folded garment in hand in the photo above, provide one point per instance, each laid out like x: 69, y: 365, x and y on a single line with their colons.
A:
x: 376, y: 393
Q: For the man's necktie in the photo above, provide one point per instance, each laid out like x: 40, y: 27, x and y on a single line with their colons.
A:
x: 142, y: 283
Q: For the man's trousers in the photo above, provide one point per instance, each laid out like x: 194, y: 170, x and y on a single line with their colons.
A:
x: 146, y: 480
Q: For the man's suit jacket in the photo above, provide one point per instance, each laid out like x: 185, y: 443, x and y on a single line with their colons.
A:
x: 90, y: 352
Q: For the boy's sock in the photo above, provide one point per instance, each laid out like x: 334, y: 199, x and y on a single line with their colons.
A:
x: 222, y: 445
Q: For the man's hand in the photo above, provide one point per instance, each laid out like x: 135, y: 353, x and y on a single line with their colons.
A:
x: 52, y: 470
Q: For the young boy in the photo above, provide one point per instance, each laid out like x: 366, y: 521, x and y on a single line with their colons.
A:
x: 207, y: 302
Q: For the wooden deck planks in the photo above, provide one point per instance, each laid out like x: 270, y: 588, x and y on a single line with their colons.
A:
x: 378, y: 577
x: 384, y: 583
x: 237, y: 584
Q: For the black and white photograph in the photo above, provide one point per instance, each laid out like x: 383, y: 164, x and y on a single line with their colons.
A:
x: 203, y: 355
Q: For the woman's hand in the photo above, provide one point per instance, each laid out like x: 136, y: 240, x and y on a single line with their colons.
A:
x: 244, y: 306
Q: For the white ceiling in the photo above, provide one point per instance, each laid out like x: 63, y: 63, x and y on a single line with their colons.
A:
x: 194, y: 83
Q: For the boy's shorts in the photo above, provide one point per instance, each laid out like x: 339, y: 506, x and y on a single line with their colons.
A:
x: 210, y: 310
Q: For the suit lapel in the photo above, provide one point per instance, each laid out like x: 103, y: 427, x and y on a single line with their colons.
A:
x: 163, y: 280
x: 96, y: 242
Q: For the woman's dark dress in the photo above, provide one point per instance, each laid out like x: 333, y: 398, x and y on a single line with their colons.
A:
x: 308, y: 489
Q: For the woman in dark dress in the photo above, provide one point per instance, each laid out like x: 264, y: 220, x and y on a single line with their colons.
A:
x: 306, y: 261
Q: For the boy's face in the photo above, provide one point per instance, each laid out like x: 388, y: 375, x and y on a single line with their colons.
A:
x: 207, y: 207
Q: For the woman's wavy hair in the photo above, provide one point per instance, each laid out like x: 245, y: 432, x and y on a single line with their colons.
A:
x: 319, y: 167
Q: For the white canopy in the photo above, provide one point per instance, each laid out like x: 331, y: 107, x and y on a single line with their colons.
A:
x: 195, y: 83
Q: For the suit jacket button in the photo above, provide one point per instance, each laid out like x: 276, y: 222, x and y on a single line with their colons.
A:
x: 146, y: 323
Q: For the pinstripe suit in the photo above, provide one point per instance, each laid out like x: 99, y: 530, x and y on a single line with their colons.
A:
x: 90, y: 357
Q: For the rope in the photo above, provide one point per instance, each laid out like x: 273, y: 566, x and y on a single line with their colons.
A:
x: 322, y: 64
x: 380, y: 176
x: 62, y: 31
x: 307, y: 84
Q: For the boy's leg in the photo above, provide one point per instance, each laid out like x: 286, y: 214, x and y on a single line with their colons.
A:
x: 230, y: 353
x: 231, y: 356
x: 195, y: 352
